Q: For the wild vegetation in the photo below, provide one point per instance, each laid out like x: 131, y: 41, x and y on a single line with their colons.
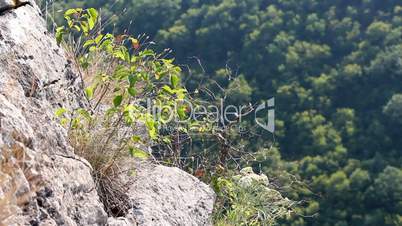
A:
x: 334, y: 68
x: 120, y: 77
x: 117, y: 75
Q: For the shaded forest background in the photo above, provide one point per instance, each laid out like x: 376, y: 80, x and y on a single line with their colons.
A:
x: 335, y: 69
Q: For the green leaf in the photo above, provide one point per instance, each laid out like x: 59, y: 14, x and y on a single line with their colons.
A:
x: 147, y: 52
x: 122, y: 53
x: 93, y: 12
x: 117, y: 100
x: 150, y: 124
x: 136, y: 139
x: 60, y: 112
x: 59, y: 34
x: 75, y: 123
x: 70, y: 23
x: 129, y: 113
x: 132, y: 91
x: 85, y: 27
x: 181, y: 93
x: 70, y: 12
x: 174, y: 80
x: 167, y: 140
x: 138, y: 153
x: 99, y: 38
x: 64, y: 121
x: 88, y: 43
x: 181, y: 111
x: 153, y: 134
x: 132, y: 79
x: 91, y: 23
x: 89, y: 91
x: 167, y: 89
x: 93, y: 17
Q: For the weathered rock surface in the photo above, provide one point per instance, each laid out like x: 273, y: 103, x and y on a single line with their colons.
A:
x: 168, y: 196
x: 35, y: 80
x: 6, y: 5
x: 53, y: 186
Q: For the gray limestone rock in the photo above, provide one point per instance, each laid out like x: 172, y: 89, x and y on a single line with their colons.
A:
x: 35, y: 80
x: 169, y: 196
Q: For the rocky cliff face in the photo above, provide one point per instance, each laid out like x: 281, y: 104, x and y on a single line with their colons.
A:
x: 42, y: 182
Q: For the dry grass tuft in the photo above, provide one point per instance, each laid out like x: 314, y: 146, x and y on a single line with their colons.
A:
x: 113, y: 194
x: 103, y: 148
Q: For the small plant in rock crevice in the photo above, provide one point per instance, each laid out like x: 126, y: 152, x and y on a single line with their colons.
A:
x: 248, y: 199
x: 117, y: 72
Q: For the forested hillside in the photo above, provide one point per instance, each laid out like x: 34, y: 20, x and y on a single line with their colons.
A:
x: 335, y: 69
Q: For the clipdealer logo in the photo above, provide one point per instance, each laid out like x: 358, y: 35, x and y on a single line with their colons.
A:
x: 216, y: 114
x: 268, y: 106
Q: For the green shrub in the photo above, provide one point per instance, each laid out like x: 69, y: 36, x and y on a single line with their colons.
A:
x: 247, y: 199
x: 118, y: 73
